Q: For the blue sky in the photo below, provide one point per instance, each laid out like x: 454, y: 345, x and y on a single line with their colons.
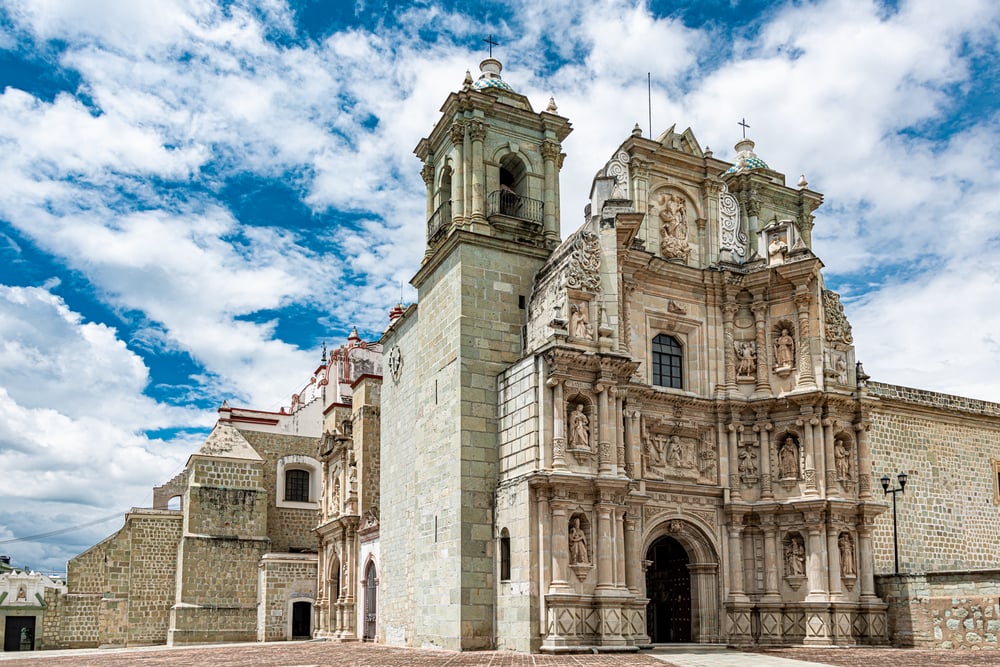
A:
x: 197, y: 195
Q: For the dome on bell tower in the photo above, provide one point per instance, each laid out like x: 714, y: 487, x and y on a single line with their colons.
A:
x: 746, y: 159
x: 490, y: 77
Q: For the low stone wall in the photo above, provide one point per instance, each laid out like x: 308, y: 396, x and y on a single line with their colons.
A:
x: 952, y: 610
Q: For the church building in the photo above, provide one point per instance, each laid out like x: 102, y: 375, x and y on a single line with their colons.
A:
x: 651, y: 429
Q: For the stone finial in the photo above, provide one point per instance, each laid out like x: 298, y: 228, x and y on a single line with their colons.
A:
x: 552, y: 108
x: 637, y: 131
x: 468, y: 80
x: 396, y: 312
x: 803, y: 183
x: 322, y: 361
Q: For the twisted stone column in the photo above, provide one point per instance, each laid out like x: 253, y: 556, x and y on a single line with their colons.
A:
x: 763, y: 384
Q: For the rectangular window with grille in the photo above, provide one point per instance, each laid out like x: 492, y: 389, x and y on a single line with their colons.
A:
x: 297, y: 486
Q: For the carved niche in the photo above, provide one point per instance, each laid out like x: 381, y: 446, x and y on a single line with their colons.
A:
x: 670, y: 210
x: 579, y: 545
x: 746, y: 360
x: 580, y: 429
x: 784, y: 348
x: 749, y: 467
x: 848, y: 561
x: 788, y: 459
x: 794, y: 549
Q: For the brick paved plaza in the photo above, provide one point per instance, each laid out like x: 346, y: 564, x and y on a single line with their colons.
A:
x: 322, y: 654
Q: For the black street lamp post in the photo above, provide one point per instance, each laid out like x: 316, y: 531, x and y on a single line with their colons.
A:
x: 885, y: 488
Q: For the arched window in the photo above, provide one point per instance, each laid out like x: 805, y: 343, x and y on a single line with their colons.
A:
x: 297, y: 486
x: 504, y: 555
x: 667, y: 358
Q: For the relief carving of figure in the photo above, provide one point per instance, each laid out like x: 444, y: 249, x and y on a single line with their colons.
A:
x: 659, y: 444
x: 784, y: 350
x: 746, y: 353
x: 579, y: 324
x: 842, y: 457
x: 788, y: 459
x: 675, y: 454
x: 577, y: 544
x: 795, y: 557
x: 848, y: 567
x: 673, y: 227
x: 748, y: 462
x: 579, y: 429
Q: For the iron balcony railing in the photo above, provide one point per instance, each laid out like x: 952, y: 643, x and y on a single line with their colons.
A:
x: 439, y: 221
x: 513, y: 205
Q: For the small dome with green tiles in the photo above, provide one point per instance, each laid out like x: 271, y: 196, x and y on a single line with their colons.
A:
x: 490, y: 77
x: 746, y: 159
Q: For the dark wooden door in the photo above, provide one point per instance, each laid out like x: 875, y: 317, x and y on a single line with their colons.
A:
x: 668, y: 586
x: 301, y: 619
x: 16, y: 628
x: 371, y: 602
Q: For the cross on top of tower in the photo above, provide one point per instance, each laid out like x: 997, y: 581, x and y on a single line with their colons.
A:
x: 489, y: 40
x: 743, y: 124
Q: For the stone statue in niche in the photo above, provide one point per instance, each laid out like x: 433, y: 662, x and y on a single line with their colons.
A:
x: 334, y: 502
x: 788, y: 459
x: 777, y: 249
x: 842, y: 459
x: 848, y: 567
x: 748, y: 463
x: 795, y: 556
x: 577, y: 544
x: 746, y: 354
x: 784, y: 351
x: 579, y: 429
x: 840, y: 366
x: 673, y: 227
x: 579, y: 322
x: 22, y: 594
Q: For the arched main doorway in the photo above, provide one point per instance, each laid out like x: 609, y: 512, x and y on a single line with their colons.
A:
x: 668, y: 587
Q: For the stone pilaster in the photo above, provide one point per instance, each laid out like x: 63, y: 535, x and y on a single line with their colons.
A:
x: 803, y: 299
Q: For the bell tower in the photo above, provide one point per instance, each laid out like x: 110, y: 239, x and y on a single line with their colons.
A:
x: 491, y: 166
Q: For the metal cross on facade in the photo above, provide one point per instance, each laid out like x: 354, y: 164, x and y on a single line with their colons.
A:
x: 489, y: 40
x: 743, y: 124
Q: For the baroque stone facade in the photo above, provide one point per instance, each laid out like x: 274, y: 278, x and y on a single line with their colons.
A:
x: 655, y: 430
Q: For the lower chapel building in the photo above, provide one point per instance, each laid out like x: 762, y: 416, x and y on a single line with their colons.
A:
x: 653, y: 430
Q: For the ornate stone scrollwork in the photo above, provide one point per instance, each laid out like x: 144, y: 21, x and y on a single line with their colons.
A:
x: 583, y: 271
x: 732, y: 237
